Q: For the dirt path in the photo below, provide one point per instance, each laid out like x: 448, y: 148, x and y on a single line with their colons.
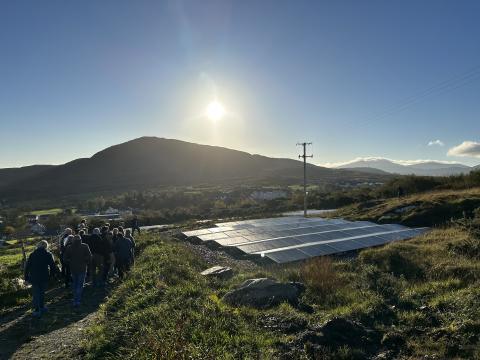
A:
x: 58, y: 334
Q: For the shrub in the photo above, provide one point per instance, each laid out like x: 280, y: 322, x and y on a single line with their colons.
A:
x: 397, y: 260
x: 320, y: 276
x: 9, y: 230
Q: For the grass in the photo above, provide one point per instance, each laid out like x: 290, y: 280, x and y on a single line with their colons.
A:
x: 166, y: 310
x: 54, y: 211
x: 11, y: 293
x: 421, y: 297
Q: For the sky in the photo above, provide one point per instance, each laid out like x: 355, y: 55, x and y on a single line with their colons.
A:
x: 397, y: 79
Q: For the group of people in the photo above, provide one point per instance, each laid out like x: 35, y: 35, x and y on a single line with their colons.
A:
x: 84, y: 256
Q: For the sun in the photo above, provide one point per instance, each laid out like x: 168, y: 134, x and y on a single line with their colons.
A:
x: 215, y: 110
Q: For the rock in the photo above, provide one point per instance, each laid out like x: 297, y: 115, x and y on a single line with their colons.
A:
x: 21, y: 284
x: 385, y: 355
x: 222, y: 272
x: 338, y: 332
x: 264, y: 293
x: 393, y: 340
x: 404, y: 209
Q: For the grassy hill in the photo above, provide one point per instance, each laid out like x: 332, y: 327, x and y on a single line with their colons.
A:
x: 424, y: 209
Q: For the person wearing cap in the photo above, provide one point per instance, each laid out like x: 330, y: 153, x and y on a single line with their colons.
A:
x: 40, y: 265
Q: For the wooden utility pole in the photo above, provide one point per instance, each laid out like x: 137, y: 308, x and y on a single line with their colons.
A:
x: 304, y: 156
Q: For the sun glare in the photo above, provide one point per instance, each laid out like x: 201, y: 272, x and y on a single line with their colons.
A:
x: 215, y: 110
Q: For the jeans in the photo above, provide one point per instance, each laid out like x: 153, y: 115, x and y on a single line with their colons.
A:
x: 78, y: 281
x: 39, y: 295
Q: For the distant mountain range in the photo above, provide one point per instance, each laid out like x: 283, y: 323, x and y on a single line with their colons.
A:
x: 428, y: 168
x: 150, y: 162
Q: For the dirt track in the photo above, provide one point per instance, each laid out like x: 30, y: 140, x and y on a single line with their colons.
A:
x: 58, y: 334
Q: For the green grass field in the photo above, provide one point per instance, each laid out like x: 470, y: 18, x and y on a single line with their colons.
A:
x: 54, y: 211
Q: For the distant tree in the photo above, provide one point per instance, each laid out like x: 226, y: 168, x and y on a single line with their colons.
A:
x: 9, y: 230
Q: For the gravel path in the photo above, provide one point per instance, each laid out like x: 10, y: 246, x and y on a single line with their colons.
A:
x: 220, y: 257
x: 58, y: 334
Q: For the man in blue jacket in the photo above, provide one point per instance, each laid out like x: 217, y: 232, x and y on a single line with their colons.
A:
x: 37, y: 273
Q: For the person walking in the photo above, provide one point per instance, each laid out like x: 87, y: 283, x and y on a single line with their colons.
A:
x: 67, y: 274
x: 123, y: 249
x: 83, y: 225
x: 40, y: 265
x: 63, y: 241
x: 107, y: 242
x: 128, y: 235
x: 135, y: 225
x: 100, y: 250
x: 78, y: 256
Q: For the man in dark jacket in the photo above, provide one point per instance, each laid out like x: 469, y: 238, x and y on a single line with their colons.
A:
x: 100, y: 251
x: 78, y: 256
x: 37, y: 273
x: 123, y: 249
x: 108, y: 244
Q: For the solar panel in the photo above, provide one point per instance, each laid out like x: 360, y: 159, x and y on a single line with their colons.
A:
x: 292, y: 238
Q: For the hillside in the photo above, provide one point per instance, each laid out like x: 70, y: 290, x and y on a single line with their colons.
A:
x: 425, y: 209
x: 149, y: 162
x: 13, y: 175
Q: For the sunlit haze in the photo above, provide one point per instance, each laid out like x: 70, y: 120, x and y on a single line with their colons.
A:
x: 215, y: 110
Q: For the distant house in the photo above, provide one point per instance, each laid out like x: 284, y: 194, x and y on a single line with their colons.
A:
x: 38, y: 229
x: 111, y: 210
x: 31, y: 218
x: 269, y: 195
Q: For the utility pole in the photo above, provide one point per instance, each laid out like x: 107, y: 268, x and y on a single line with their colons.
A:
x: 304, y: 156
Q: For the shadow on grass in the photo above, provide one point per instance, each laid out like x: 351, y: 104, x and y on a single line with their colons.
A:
x: 20, y: 327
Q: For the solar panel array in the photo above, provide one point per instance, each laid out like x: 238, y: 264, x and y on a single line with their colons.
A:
x: 293, y: 238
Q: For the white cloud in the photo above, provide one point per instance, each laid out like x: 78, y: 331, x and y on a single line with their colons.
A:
x: 436, y: 142
x: 466, y: 149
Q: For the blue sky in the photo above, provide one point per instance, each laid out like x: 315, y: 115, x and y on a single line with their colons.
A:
x: 357, y: 78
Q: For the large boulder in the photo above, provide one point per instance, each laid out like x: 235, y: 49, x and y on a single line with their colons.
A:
x: 221, y: 272
x: 264, y: 293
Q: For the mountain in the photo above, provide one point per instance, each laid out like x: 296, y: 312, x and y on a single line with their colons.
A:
x: 429, y: 168
x: 13, y: 175
x: 150, y: 162
x: 368, y: 170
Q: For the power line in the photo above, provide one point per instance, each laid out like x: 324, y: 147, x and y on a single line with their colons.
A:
x: 440, y: 88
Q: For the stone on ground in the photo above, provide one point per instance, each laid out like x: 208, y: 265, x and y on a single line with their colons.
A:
x: 264, y: 293
x: 222, y: 272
